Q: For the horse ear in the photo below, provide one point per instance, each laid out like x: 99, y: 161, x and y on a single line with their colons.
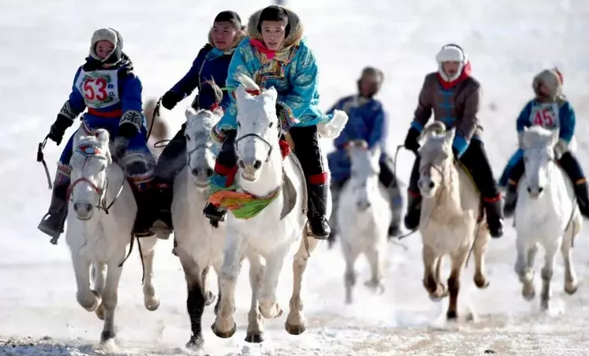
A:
x: 376, y: 153
x: 272, y: 94
x: 555, y: 138
x: 449, y: 137
x: 240, y: 95
x: 102, y: 137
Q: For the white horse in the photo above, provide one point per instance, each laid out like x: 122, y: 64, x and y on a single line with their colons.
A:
x: 98, y: 234
x: 264, y: 176
x: 364, y: 216
x: 199, y: 244
x: 546, y: 214
x: 450, y: 209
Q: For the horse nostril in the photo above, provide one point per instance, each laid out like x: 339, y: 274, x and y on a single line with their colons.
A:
x: 210, y: 172
x: 257, y: 164
x: 76, y: 206
x: 529, y: 190
x: 540, y: 190
x: 241, y: 164
x: 431, y: 184
x: 195, y: 172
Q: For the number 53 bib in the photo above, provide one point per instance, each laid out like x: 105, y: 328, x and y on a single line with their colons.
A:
x: 99, y: 88
x: 545, y: 115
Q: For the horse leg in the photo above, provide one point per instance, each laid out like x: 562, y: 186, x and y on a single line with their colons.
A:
x: 99, y: 277
x: 458, y: 260
x: 350, y: 255
x: 431, y: 280
x: 224, y: 326
x: 150, y: 298
x: 87, y: 298
x: 570, y: 281
x: 480, y: 248
x: 209, y: 295
x: 269, y: 306
x: 196, y: 299
x: 255, y: 327
x: 373, y: 254
x: 547, y: 273
x: 295, y: 321
x: 110, y: 298
x: 524, y: 267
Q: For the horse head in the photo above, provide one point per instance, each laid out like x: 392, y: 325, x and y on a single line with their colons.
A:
x: 90, y: 159
x: 199, y: 144
x: 258, y: 127
x: 539, y: 156
x: 436, y: 158
x: 364, y: 172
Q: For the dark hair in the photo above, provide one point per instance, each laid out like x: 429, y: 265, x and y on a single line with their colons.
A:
x: 274, y: 13
x: 229, y: 16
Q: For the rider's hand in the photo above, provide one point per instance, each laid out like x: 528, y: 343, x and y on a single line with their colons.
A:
x: 170, y: 99
x: 58, y: 128
x: 411, y: 142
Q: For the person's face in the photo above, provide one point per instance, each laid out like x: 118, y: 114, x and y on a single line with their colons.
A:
x: 103, y: 48
x: 273, y: 34
x: 369, y: 85
x: 223, y: 34
x: 451, y: 68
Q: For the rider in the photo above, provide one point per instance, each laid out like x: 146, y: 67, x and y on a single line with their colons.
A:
x: 367, y: 121
x: 276, y: 54
x: 551, y: 110
x: 453, y: 95
x: 211, y: 64
x: 108, y: 87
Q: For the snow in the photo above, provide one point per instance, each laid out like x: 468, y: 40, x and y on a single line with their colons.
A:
x: 41, y: 45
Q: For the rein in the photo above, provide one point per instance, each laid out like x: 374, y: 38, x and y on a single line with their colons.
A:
x: 41, y: 158
x: 255, y: 135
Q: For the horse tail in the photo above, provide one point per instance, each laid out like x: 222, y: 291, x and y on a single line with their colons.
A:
x: 247, y: 82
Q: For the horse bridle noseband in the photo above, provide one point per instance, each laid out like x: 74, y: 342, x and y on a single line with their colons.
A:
x: 255, y: 135
x: 101, y: 191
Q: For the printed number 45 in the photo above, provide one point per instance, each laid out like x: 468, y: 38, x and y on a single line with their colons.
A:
x: 95, y: 89
x: 544, y: 118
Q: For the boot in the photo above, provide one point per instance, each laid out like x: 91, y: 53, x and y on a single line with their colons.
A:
x: 146, y: 213
x: 582, y: 198
x: 396, y: 206
x: 494, y: 216
x: 510, y: 200
x: 335, y: 193
x: 413, y: 211
x: 214, y: 213
x: 53, y: 222
x: 165, y: 197
x: 318, y: 223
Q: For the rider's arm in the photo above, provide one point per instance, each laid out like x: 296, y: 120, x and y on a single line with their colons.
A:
x: 191, y: 80
x: 567, y: 119
x: 469, y: 122
x: 132, y: 118
x: 378, y: 126
x: 75, y: 104
x: 523, y: 120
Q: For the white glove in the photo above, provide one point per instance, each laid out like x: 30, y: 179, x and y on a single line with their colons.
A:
x: 560, y: 148
x: 333, y: 127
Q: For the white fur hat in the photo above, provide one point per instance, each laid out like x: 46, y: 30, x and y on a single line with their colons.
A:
x: 451, y: 53
x: 105, y: 34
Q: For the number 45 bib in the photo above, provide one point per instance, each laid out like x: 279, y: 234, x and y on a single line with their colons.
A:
x: 99, y: 88
x: 545, y: 115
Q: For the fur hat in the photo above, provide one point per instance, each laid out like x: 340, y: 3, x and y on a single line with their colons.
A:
x: 111, y: 35
x: 451, y: 53
x: 553, y: 79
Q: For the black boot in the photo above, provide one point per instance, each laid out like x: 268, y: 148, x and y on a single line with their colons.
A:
x: 164, y: 200
x: 494, y: 217
x: 214, y: 213
x: 146, y: 213
x: 582, y: 198
x: 318, y: 224
x: 53, y: 222
x: 413, y: 211
x: 510, y: 200
x: 396, y: 206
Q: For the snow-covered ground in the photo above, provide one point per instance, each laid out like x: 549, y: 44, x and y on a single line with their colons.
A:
x: 43, y: 42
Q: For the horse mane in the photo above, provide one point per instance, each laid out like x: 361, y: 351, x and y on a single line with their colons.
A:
x: 436, y: 127
x: 537, y: 135
x: 202, y: 120
x: 247, y: 82
x: 98, y: 138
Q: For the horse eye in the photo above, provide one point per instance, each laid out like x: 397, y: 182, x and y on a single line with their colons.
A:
x: 239, y: 124
x: 187, y: 138
x: 271, y: 124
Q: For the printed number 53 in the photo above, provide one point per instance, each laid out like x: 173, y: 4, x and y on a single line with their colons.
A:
x: 95, y: 89
x: 544, y: 118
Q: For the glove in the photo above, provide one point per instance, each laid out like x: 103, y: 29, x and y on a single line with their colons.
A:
x: 560, y: 148
x: 411, y: 140
x: 120, y: 147
x: 58, y: 128
x: 170, y: 99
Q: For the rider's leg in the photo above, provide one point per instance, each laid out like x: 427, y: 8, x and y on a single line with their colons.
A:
x: 516, y: 170
x: 414, y: 198
x: 388, y: 179
x: 225, y: 169
x: 573, y: 169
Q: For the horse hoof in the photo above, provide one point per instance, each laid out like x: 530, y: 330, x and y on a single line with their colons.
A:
x: 100, y: 311
x: 481, y: 282
x: 152, y: 304
x: 254, y: 338
x: 224, y: 334
x: 106, y: 336
x: 195, y: 343
x: 295, y: 329
x: 529, y: 296
x: 210, y: 298
x: 451, y: 315
x: 440, y: 293
x: 571, y: 289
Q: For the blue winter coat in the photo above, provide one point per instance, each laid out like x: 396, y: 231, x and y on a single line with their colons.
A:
x: 210, y: 64
x: 554, y: 115
x: 366, y: 121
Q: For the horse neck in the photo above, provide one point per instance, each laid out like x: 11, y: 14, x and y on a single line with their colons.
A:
x: 270, y: 177
x: 116, y: 181
x: 447, y: 196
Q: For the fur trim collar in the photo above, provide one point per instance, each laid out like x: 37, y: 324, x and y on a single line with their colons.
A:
x: 295, y: 34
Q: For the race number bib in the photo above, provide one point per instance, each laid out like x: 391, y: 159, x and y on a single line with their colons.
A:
x: 99, y: 88
x: 545, y: 115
